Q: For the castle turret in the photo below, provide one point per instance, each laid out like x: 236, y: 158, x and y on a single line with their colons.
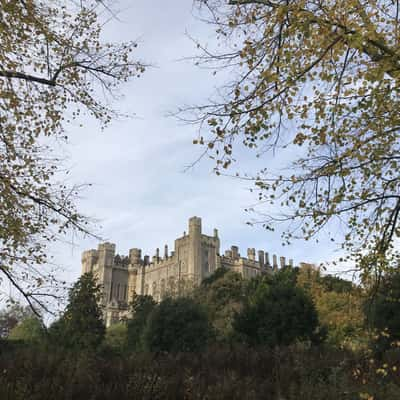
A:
x: 194, y: 261
x: 216, y: 250
x: 89, y: 259
x: 274, y: 262
x: 267, y: 263
x: 135, y: 256
x: 235, y: 252
x: 106, y: 252
x: 261, y: 260
x: 166, y: 252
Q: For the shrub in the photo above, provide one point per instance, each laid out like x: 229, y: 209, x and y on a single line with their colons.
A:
x: 278, y: 313
x: 30, y: 330
x: 81, y: 326
x: 177, y: 325
x: 142, y: 306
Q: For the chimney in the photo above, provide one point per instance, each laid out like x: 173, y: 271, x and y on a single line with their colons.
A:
x: 251, y: 254
x: 235, y: 252
x: 166, y: 252
x: 261, y: 258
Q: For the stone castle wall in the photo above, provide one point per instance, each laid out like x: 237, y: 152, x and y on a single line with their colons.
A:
x: 195, y: 257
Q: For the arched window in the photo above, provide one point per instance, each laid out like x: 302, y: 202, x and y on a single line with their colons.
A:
x: 146, y: 290
x: 125, y: 291
x: 111, y: 291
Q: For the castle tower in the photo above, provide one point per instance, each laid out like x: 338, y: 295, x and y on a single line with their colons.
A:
x: 135, y: 266
x: 106, y: 254
x: 89, y: 260
x: 216, y: 250
x: 194, y: 261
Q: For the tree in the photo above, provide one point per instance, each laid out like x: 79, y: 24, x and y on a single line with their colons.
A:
x: 53, y: 68
x: 323, y: 77
x: 81, y: 326
x: 116, y: 337
x: 11, y: 316
x: 383, y: 312
x: 177, y: 325
x: 30, y: 330
x: 141, y: 307
x: 339, y: 306
x: 222, y: 294
x: 278, y: 313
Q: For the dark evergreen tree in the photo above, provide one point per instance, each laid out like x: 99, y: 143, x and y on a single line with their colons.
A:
x: 81, y: 326
x: 141, y: 307
x: 277, y: 313
x: 177, y: 325
x: 222, y: 294
x: 30, y: 330
x: 383, y: 311
x: 11, y: 316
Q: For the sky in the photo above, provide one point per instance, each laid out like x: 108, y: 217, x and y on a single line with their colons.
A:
x: 141, y: 194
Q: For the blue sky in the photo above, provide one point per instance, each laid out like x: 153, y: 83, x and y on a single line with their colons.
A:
x: 139, y: 192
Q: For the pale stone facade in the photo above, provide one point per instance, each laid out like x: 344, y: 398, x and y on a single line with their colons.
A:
x: 195, y: 257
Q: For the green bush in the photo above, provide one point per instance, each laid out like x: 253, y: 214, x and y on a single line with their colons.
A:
x: 292, y: 373
x: 116, y: 337
x: 222, y: 294
x: 383, y: 312
x: 141, y: 308
x: 177, y: 325
x: 30, y: 330
x: 277, y: 313
x: 81, y: 326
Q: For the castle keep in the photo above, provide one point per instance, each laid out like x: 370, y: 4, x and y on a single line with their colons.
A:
x: 195, y: 256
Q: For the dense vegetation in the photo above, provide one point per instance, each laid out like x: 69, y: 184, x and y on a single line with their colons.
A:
x: 282, y: 336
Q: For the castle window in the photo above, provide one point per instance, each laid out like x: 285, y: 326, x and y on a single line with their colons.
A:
x: 146, y: 290
x: 125, y: 290
x: 117, y: 296
x: 111, y: 291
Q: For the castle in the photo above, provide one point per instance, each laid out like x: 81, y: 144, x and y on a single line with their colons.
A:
x: 195, y: 256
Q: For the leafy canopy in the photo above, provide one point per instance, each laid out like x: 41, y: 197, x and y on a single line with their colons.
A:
x: 383, y: 311
x: 81, y: 326
x: 141, y: 308
x: 11, y: 316
x: 222, y: 294
x: 30, y: 330
x: 322, y: 78
x: 54, y: 66
x: 277, y: 313
x: 177, y: 325
x: 339, y: 306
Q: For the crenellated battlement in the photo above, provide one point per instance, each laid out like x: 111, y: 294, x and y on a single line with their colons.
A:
x: 194, y: 257
x: 262, y: 260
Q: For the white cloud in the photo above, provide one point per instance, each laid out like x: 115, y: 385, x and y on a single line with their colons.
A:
x: 139, y: 191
